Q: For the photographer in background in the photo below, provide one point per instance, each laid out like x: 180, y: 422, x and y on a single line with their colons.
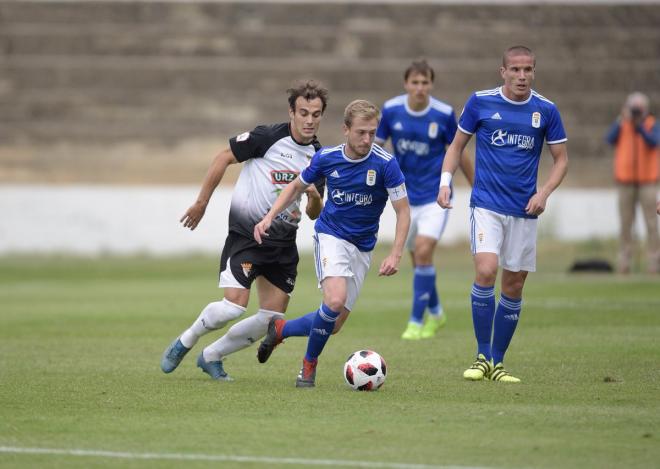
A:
x: 635, y: 137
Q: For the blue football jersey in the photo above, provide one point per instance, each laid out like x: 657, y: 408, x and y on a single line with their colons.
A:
x: 357, y: 192
x: 419, y: 141
x: 509, y: 141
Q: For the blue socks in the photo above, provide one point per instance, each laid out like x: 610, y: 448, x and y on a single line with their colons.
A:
x: 506, y: 320
x: 483, y: 310
x: 299, y: 327
x: 423, y: 291
x: 434, y: 302
x: 322, y: 327
x: 501, y: 324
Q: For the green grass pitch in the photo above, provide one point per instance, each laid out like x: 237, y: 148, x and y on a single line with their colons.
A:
x: 81, y: 340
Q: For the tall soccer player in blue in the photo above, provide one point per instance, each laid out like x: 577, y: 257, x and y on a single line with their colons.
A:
x: 510, y: 123
x: 360, y: 178
x: 420, y: 128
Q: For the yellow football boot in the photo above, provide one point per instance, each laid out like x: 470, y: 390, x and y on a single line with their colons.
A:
x: 479, y: 370
x: 412, y: 332
x: 501, y: 375
x: 432, y: 324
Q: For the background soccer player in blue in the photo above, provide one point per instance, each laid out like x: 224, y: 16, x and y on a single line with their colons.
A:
x: 420, y: 128
x: 360, y: 177
x: 510, y: 123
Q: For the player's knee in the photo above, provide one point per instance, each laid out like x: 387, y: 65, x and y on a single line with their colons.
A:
x: 219, y: 313
x: 335, y: 302
x: 486, y: 275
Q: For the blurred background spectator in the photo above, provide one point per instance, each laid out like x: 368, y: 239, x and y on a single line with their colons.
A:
x: 634, y: 136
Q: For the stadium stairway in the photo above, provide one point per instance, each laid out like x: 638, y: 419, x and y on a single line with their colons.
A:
x: 104, y: 73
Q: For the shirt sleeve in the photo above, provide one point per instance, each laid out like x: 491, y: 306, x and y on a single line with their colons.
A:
x: 383, y: 131
x: 613, y: 133
x: 469, y: 120
x: 555, y: 132
x: 314, y: 172
x: 393, y: 175
x: 249, y: 144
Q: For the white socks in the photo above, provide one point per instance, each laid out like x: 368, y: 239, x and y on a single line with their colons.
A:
x: 213, y: 317
x: 242, y: 334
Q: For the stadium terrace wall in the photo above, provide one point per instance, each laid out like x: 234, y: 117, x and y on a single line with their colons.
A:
x: 79, y: 78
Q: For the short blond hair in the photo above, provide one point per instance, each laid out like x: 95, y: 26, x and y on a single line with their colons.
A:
x: 360, y: 108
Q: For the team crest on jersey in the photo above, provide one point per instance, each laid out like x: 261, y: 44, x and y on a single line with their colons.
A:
x: 371, y: 177
x: 247, y: 267
x: 536, y: 120
x: 243, y: 137
x: 282, y: 176
x: 433, y: 129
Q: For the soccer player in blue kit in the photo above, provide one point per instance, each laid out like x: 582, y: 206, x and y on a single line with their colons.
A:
x: 510, y: 123
x: 420, y: 128
x: 360, y: 177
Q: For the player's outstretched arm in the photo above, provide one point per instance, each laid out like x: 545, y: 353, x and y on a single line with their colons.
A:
x: 390, y: 264
x: 449, y: 166
x: 536, y: 204
x: 214, y: 175
x: 314, y: 202
x: 290, y: 193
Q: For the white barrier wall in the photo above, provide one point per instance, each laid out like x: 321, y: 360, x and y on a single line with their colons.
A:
x: 126, y: 220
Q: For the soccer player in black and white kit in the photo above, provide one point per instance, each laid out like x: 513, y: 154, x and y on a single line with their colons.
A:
x: 273, y: 156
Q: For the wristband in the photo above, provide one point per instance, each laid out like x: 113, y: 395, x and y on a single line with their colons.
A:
x: 445, y: 179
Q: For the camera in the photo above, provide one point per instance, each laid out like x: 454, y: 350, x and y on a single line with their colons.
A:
x: 636, y: 112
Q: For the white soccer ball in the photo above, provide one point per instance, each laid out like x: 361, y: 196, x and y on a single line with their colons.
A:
x: 365, y: 370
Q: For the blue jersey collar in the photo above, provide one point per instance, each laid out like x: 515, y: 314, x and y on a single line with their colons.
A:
x: 350, y: 160
x: 517, y: 103
x: 417, y: 113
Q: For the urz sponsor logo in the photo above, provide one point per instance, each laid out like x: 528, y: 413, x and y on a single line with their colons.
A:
x: 500, y: 138
x: 282, y: 176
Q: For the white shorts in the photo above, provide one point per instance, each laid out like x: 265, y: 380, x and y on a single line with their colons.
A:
x: 513, y: 239
x: 338, y: 258
x: 426, y: 220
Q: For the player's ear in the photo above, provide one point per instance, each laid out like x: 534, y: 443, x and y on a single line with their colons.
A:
x: 502, y: 70
x: 292, y: 113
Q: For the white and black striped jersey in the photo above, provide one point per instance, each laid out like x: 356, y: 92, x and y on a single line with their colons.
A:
x: 272, y: 159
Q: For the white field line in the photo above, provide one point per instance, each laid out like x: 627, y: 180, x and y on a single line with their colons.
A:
x: 223, y: 457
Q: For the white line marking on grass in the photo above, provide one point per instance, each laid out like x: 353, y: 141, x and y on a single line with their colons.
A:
x: 223, y: 457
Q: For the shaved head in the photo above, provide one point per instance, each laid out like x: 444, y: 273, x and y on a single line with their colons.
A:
x: 515, y: 51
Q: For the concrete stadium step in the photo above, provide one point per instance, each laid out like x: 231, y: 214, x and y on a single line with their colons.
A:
x: 170, y: 40
x: 104, y: 71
